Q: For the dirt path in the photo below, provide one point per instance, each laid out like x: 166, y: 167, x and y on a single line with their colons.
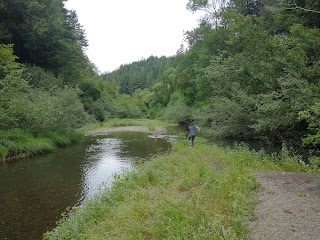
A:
x: 288, y: 207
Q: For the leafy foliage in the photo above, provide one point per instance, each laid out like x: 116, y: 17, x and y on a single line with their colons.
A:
x: 248, y: 81
x: 312, y: 116
x: 45, y: 34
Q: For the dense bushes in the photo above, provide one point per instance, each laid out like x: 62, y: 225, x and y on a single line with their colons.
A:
x: 22, y: 106
x: 37, y: 110
x: 241, y: 80
x: 246, y: 73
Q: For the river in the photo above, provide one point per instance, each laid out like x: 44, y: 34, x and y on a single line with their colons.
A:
x: 34, y: 192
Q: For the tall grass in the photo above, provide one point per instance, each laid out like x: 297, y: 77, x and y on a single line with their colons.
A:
x: 18, y: 143
x: 200, y: 193
x: 62, y: 137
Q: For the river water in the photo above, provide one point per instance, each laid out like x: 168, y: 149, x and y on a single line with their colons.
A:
x: 35, y: 192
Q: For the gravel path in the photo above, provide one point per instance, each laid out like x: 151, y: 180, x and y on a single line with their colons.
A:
x: 288, y: 207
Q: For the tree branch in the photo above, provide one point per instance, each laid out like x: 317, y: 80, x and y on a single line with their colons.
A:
x: 289, y: 5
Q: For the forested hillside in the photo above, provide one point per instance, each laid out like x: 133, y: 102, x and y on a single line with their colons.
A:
x: 141, y: 74
x: 148, y: 82
x: 251, y: 70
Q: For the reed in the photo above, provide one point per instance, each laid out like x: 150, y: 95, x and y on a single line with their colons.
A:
x: 32, y: 146
x: 57, y: 138
x: 5, y: 146
x: 62, y: 137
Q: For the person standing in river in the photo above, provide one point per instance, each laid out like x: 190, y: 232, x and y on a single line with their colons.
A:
x: 192, y: 134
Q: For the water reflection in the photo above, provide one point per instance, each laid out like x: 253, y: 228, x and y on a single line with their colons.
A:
x: 114, y: 154
x: 34, y: 192
x: 103, y: 161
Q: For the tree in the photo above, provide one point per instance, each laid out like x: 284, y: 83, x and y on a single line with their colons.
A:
x: 8, y: 62
x: 280, y: 5
x: 305, y: 12
x: 312, y: 116
x: 11, y: 85
x: 46, y: 35
x: 211, y: 8
x: 37, y: 107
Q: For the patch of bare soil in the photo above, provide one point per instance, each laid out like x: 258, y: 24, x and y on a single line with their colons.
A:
x: 126, y: 129
x: 288, y: 207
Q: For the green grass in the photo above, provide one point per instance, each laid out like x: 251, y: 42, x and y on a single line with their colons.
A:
x: 302, y: 195
x: 149, y: 123
x: 17, y: 143
x: 199, y: 193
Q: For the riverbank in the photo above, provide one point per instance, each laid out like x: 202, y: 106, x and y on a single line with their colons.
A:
x: 123, y: 125
x: 205, y: 192
x: 19, y: 143
x: 106, y: 130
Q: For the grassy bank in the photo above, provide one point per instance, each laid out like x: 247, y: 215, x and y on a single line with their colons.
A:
x: 200, y: 193
x: 115, y: 122
x: 18, y: 143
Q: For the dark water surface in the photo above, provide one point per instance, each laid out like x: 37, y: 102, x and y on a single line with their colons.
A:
x: 35, y: 192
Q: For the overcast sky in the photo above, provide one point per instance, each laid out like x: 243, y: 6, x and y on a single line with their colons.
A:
x: 124, y: 31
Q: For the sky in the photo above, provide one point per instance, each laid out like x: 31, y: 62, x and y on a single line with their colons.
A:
x: 125, y: 31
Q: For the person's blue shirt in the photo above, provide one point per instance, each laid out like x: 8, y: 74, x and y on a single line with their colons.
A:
x: 192, y: 130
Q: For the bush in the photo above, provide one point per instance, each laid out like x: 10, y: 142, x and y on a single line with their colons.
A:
x: 177, y: 110
x: 38, y: 110
x: 39, y: 78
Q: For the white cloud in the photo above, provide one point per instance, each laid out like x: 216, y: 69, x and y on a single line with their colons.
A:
x: 125, y: 31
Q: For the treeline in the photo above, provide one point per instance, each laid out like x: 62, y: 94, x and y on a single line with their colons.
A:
x: 141, y: 74
x: 251, y: 70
